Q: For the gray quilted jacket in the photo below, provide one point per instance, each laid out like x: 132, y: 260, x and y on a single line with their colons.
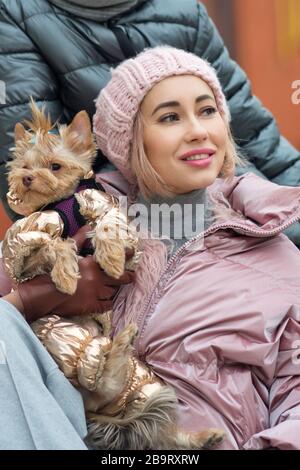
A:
x: 65, y: 61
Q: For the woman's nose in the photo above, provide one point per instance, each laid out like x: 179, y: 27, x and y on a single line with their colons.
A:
x: 196, y: 130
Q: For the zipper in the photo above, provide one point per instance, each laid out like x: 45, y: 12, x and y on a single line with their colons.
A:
x: 156, y: 292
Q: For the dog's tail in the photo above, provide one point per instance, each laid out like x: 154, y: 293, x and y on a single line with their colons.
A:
x: 143, y: 427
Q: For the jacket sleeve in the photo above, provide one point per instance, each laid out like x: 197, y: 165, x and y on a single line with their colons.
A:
x: 284, y: 392
x: 254, y: 128
x: 23, y: 73
x: 77, y: 346
x: 27, y: 235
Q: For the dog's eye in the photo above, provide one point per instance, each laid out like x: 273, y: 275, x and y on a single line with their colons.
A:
x: 25, y: 167
x: 55, y: 166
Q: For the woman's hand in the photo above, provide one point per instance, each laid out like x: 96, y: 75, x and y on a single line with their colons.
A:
x: 95, y: 290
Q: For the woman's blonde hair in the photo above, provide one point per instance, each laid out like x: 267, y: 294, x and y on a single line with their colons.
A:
x: 150, y: 182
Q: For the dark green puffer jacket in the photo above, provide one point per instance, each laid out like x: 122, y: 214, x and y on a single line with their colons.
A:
x: 65, y: 61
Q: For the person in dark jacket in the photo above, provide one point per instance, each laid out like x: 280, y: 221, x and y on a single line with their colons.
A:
x: 61, y: 52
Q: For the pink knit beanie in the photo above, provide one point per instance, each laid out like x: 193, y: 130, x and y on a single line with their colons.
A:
x: 119, y: 101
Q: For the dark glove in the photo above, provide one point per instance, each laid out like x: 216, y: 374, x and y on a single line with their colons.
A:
x: 95, y: 290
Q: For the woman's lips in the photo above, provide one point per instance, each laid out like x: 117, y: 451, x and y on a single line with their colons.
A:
x: 204, y: 162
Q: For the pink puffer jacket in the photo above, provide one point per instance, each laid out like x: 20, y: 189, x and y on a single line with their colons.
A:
x: 222, y: 325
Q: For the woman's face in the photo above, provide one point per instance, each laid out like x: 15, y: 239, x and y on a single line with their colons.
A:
x: 185, y: 137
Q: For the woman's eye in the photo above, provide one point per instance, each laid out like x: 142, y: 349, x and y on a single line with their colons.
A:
x: 55, y: 166
x: 169, y: 118
x: 209, y: 111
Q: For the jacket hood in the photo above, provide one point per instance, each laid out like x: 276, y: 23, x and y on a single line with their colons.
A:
x: 97, y: 10
x: 261, y: 202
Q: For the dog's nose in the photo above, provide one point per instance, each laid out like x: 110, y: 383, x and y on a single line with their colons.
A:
x: 27, y: 180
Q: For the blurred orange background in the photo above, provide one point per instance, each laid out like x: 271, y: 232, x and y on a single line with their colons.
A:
x: 263, y: 36
x: 4, y: 222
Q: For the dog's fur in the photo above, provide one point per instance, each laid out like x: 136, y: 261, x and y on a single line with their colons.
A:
x: 73, y: 148
x: 130, y: 408
x: 145, y: 416
x: 52, y: 165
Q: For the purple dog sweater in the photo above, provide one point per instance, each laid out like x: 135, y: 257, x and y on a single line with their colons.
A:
x: 68, y: 210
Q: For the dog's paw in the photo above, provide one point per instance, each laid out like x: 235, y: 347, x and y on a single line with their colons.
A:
x: 63, y: 283
x: 69, y: 286
x: 110, y: 255
x: 113, y: 269
x: 211, y: 438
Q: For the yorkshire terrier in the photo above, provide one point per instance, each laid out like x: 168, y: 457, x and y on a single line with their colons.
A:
x: 50, y: 183
x: 127, y: 405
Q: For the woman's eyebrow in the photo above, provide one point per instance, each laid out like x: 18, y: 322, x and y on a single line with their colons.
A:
x: 169, y: 104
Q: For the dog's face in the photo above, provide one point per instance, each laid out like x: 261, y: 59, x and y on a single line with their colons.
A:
x: 47, y: 167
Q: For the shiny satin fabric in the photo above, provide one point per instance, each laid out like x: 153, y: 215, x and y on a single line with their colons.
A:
x: 35, y: 230
x: 75, y: 346
x: 78, y: 345
x: 39, y: 228
x: 222, y: 324
x: 81, y: 351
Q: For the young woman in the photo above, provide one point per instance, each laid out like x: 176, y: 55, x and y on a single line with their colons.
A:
x: 219, y: 313
x: 71, y: 45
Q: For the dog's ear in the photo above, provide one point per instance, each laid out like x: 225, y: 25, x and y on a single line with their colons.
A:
x: 19, y: 132
x: 81, y: 127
